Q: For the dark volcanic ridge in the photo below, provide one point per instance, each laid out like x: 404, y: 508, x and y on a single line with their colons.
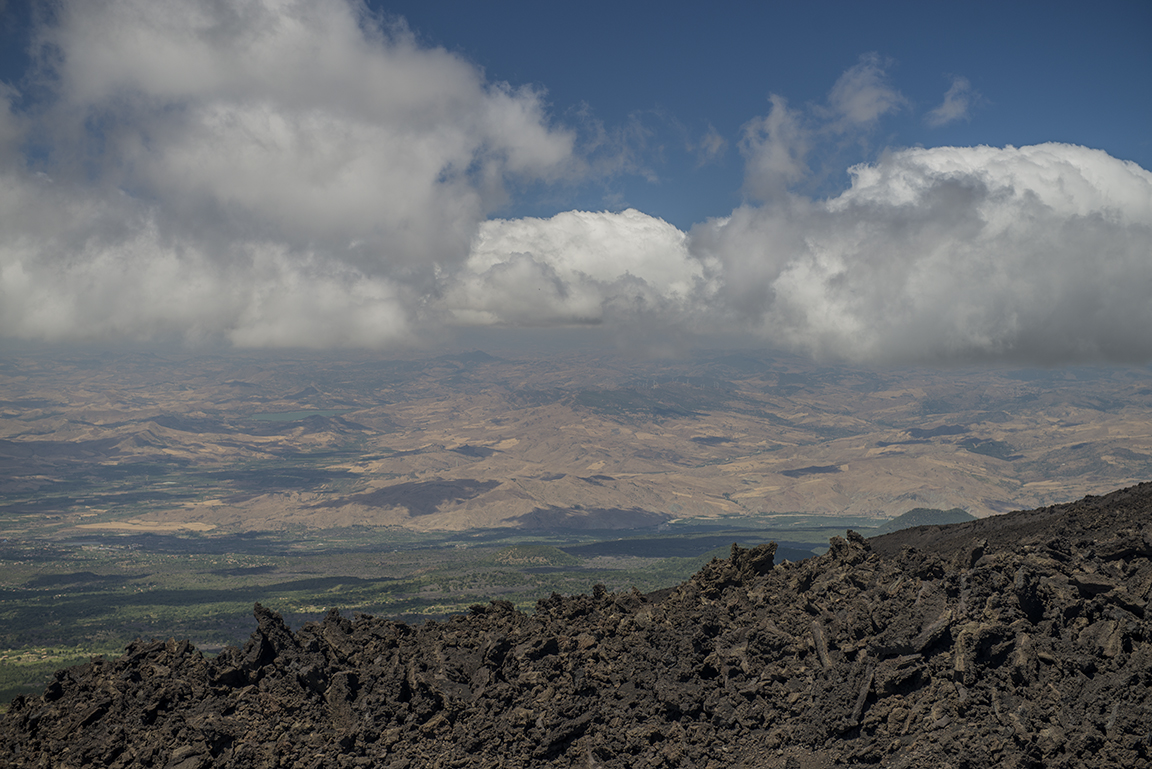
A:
x: 1016, y: 641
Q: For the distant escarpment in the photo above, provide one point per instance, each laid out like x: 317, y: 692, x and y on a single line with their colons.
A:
x: 1017, y: 641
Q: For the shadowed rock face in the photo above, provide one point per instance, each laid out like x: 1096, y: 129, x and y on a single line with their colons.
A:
x: 1016, y: 644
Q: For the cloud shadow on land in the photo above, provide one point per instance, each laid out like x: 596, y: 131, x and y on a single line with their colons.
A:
x: 421, y: 497
x: 813, y: 470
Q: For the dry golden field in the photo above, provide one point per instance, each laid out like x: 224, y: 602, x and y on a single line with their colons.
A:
x: 135, y: 442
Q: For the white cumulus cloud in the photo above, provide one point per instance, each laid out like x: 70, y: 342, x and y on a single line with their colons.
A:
x: 272, y: 173
x: 575, y: 267
x: 1036, y: 254
x: 253, y: 162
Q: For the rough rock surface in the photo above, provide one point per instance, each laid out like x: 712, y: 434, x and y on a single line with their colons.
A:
x: 1018, y: 641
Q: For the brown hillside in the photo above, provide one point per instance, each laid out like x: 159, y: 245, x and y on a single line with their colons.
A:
x: 226, y: 444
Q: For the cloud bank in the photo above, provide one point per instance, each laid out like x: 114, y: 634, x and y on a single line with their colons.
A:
x: 1036, y: 254
x: 264, y: 174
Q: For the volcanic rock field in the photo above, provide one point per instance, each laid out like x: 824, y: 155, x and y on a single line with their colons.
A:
x: 1019, y: 640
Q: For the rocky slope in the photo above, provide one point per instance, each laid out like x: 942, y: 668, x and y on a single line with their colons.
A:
x: 1016, y: 641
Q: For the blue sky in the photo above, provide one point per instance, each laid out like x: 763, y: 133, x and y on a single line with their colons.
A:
x: 877, y: 182
x: 1046, y: 71
x: 1039, y: 71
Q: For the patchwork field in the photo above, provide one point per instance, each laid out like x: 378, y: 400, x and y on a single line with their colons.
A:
x: 230, y: 443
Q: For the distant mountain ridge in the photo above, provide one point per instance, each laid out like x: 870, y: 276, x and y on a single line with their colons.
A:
x: 925, y: 516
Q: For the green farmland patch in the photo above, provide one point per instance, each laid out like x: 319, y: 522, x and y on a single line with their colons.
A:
x: 67, y: 599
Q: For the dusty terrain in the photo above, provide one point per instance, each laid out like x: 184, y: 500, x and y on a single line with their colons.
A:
x: 1020, y: 640
x: 132, y: 442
